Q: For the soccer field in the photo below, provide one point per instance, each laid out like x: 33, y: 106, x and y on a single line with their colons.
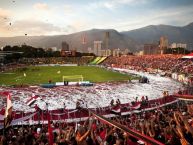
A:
x: 42, y: 74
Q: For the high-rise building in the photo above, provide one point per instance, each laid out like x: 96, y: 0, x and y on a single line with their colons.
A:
x: 107, y: 35
x: 65, y: 46
x: 163, y: 44
x: 84, y: 41
x: 97, y: 48
x: 150, y: 49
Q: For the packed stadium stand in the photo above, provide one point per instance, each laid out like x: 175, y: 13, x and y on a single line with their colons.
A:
x: 164, y: 120
x: 58, y: 60
x: 172, y: 63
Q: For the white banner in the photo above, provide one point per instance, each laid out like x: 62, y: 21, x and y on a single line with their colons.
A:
x: 16, y: 121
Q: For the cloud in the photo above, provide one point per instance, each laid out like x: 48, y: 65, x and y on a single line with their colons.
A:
x: 75, y: 26
x: 41, y: 6
x: 111, y: 4
x: 30, y: 27
x: 68, y: 9
x: 5, y: 21
x: 4, y: 13
x: 52, y: 21
x: 169, y: 16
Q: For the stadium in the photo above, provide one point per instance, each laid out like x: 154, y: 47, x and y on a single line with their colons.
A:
x: 100, y: 72
x: 69, y: 91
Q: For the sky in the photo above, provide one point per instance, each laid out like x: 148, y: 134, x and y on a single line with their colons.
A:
x: 56, y: 17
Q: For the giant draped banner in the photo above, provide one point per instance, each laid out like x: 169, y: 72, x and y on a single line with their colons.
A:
x: 184, y: 97
x: 76, y: 115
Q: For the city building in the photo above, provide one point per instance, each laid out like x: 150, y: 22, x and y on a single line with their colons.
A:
x: 71, y: 53
x: 97, y: 48
x: 151, y: 49
x: 141, y: 53
x: 52, y: 49
x: 90, y: 50
x: 163, y: 45
x: 125, y: 51
x: 65, y: 46
x: 173, y: 45
x: 48, y: 49
x: 106, y: 41
x: 116, y: 52
x: 106, y: 52
x: 178, y: 45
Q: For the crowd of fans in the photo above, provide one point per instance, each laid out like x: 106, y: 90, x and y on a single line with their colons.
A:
x: 24, y: 62
x: 170, y: 125
x: 11, y: 67
x: 57, y: 60
x: 171, y: 63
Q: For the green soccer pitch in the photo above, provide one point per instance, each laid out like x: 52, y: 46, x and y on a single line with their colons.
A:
x: 36, y: 75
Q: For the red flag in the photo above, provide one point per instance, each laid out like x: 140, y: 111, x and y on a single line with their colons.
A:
x: 32, y: 100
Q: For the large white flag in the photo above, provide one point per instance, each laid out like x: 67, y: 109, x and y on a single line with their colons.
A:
x: 8, y: 112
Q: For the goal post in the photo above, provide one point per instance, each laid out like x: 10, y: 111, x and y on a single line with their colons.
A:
x: 73, y: 78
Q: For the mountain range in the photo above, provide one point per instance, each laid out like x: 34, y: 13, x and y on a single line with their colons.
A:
x: 133, y: 39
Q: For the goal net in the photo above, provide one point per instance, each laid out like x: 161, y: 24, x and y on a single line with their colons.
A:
x: 77, y: 78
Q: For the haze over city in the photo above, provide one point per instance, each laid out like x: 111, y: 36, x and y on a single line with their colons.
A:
x: 48, y: 17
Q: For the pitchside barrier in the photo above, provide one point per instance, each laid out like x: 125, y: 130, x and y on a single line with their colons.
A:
x: 47, y: 85
x: 82, y: 83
